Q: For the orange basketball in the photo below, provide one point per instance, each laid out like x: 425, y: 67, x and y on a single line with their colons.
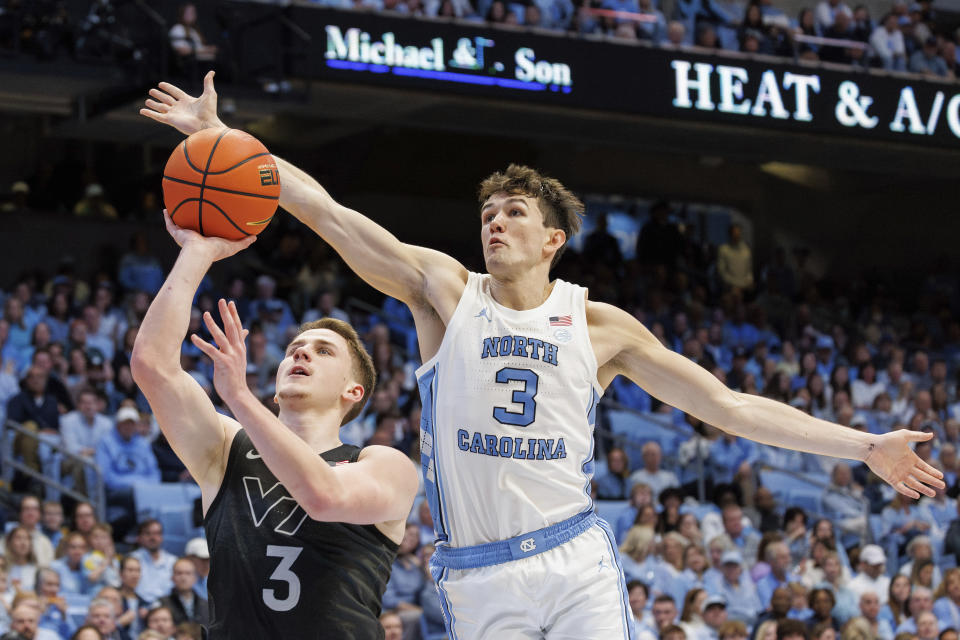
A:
x: 221, y: 182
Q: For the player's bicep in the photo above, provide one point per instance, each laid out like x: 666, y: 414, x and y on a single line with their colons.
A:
x: 186, y: 416
x: 379, y: 487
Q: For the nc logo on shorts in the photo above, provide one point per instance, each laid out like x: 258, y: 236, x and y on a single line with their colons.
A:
x: 528, y: 545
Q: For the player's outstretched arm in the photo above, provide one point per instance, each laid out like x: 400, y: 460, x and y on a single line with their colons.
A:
x: 626, y: 347
x: 380, y: 487
x: 197, y: 433
x: 416, y: 275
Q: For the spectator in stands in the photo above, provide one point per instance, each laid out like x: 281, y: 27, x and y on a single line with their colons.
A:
x: 870, y: 610
x: 651, y: 474
x: 24, y: 619
x: 94, y: 204
x: 199, y: 553
x: 101, y: 565
x: 730, y: 457
x: 87, y: 632
x: 613, y: 484
x: 888, y: 44
x: 714, y: 614
x: 871, y: 575
x: 29, y: 520
x: 654, y: 31
x: 36, y: 410
x: 836, y: 577
x: 920, y: 601
x: 21, y: 559
x: 638, y: 593
x: 660, y: 242
x: 690, y: 619
x: 600, y: 247
x: 406, y: 582
x: 947, y: 603
x: 156, y: 564
x: 865, y: 389
x: 706, y: 37
x: 843, y: 501
x: 778, y: 557
x: 903, y: 520
x: 101, y: 615
x: 841, y: 29
x: 125, y: 458
x: 895, y: 611
x: 82, y: 429
x: 664, y: 612
x: 827, y: 11
x: 734, y: 259
x: 69, y: 567
x: 186, y: 40
x: 738, y: 590
x: 52, y: 605
x: 744, y: 537
x: 183, y: 602
x: 51, y: 522
x: 140, y: 271
x: 732, y: 630
x: 927, y: 626
x: 636, y: 555
x: 927, y: 61
x: 133, y: 608
x: 84, y: 518
x: 822, y: 602
x: 326, y: 307
x: 160, y: 619
x: 920, y: 549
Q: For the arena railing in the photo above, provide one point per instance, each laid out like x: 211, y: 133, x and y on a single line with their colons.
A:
x: 52, y: 482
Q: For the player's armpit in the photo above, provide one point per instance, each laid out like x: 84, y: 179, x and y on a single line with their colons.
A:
x: 379, y: 487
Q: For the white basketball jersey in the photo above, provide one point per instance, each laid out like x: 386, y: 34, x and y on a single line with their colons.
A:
x: 509, y: 404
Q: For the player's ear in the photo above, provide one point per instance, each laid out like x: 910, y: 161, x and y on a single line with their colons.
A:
x: 555, y: 239
x: 354, y: 393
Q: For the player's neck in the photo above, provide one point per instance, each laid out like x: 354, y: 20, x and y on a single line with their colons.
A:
x: 319, y: 429
x: 527, y: 291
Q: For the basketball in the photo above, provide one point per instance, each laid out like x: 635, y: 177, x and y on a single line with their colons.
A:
x: 221, y: 182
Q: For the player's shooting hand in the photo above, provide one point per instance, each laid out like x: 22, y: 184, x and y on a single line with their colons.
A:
x: 171, y: 105
x: 895, y: 462
x: 215, y: 248
x: 229, y: 354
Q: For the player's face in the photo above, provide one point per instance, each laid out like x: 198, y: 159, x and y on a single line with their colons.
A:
x: 317, y: 365
x: 513, y: 234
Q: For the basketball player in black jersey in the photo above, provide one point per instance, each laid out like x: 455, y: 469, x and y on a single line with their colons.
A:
x: 302, y: 529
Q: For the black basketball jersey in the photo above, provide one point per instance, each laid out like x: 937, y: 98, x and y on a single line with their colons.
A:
x: 276, y: 573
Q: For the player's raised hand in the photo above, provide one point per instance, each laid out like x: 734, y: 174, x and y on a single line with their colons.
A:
x: 894, y: 461
x: 215, y: 248
x: 229, y: 354
x: 171, y: 105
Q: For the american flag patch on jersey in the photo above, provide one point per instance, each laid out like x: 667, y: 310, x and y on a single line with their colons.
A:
x: 561, y: 321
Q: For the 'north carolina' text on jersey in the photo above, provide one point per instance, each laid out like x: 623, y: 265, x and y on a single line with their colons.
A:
x: 509, y: 404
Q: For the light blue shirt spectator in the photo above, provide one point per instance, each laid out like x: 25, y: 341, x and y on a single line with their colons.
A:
x: 71, y: 580
x: 727, y: 453
x: 80, y: 433
x: 156, y: 574
x: 947, y: 612
x: 126, y: 459
x: 406, y: 583
x: 736, y: 587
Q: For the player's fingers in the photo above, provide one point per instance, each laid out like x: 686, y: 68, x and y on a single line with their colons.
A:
x: 919, y: 436
x: 207, y: 348
x: 208, y: 82
x: 153, y: 115
x: 918, y: 486
x: 173, y: 90
x: 903, y: 488
x: 215, y: 331
x: 922, y: 475
x: 235, y: 316
x: 159, y: 107
x: 230, y: 328
x: 165, y: 98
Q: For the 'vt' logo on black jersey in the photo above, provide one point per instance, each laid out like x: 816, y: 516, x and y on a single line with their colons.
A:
x: 285, y: 515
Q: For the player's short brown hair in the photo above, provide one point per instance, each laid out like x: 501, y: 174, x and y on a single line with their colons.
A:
x: 363, y: 369
x: 561, y: 209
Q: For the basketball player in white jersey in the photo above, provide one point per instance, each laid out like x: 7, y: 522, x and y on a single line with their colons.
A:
x: 514, y: 365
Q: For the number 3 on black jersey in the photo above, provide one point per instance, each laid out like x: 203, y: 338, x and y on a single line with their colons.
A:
x: 523, y: 396
x: 287, y: 555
